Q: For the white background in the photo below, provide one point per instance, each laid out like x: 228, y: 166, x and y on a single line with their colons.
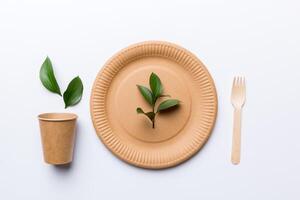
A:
x: 258, y: 39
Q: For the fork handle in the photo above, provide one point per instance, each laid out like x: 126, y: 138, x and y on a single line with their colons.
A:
x: 236, y: 139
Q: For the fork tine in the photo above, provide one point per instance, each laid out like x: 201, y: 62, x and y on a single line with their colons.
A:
x: 244, y: 86
x: 242, y: 81
x: 234, y: 82
x: 238, y: 81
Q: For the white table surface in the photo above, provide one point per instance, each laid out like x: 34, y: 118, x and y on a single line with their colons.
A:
x: 258, y: 39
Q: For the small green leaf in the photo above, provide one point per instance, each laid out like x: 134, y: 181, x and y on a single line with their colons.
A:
x: 150, y: 115
x: 167, y: 104
x: 47, y: 77
x: 139, y: 111
x: 73, y: 94
x: 147, y: 94
x: 155, y: 85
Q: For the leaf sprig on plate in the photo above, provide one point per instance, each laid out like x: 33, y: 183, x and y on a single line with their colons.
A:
x: 152, y: 95
x: 73, y: 93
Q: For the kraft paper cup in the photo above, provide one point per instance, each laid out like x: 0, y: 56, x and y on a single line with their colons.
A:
x: 58, y: 135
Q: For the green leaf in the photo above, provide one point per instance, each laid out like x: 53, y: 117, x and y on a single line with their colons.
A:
x: 150, y: 115
x: 147, y: 94
x: 47, y: 77
x: 73, y: 94
x: 167, y: 104
x: 139, y: 110
x: 155, y: 85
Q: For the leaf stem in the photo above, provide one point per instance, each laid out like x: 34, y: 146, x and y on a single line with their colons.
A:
x: 153, y: 121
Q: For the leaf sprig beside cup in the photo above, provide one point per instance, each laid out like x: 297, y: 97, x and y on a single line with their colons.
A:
x: 151, y: 96
x: 73, y: 93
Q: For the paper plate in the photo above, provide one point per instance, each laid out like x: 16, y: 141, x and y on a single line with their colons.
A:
x: 178, y: 134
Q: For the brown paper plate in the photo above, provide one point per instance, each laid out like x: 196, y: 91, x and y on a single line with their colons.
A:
x: 178, y: 134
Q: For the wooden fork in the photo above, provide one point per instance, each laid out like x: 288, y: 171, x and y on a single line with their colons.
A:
x: 238, y: 97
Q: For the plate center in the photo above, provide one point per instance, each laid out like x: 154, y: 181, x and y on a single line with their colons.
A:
x: 127, y: 98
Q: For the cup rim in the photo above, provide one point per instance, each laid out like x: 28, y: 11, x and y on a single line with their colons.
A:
x: 57, y: 117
